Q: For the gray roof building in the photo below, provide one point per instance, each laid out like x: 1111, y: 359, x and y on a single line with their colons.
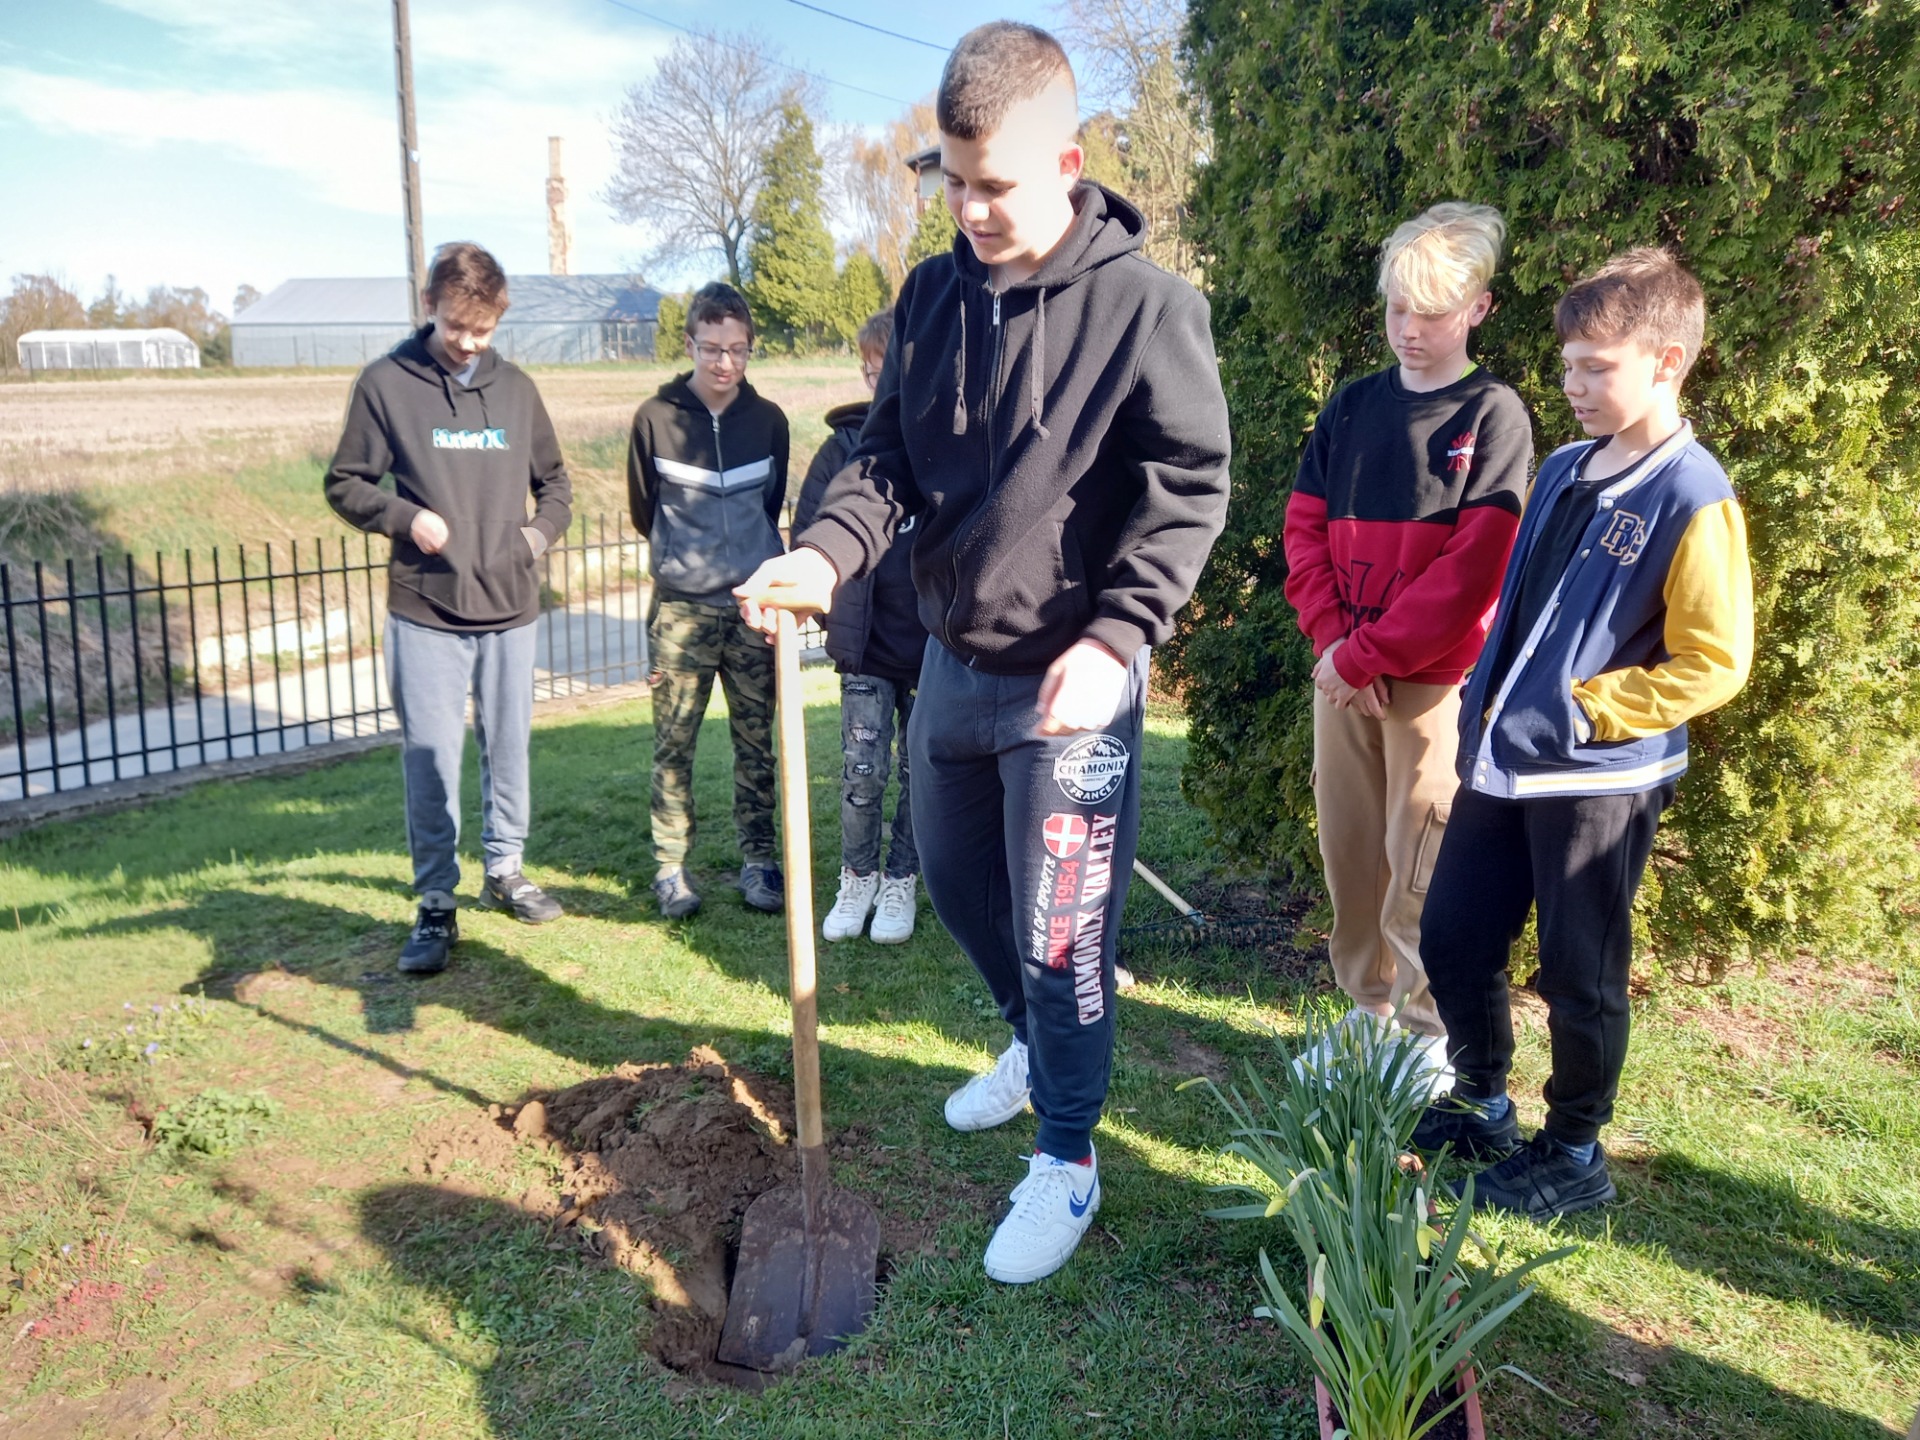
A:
x: 552, y: 320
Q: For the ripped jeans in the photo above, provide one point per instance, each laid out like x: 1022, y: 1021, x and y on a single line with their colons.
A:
x: 873, y: 729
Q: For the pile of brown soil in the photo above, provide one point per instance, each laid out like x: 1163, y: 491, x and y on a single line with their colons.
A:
x: 661, y: 1163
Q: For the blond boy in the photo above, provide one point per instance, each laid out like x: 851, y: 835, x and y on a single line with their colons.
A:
x: 1397, y: 532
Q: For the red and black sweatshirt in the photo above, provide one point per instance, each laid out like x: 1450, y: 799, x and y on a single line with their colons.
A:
x: 1400, y: 523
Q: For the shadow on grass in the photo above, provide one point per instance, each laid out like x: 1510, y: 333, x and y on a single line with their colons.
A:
x: 1764, y: 1239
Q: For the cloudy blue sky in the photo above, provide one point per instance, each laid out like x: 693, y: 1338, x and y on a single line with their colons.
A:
x: 221, y: 142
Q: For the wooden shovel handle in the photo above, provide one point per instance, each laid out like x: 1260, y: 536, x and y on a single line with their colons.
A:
x: 798, y: 842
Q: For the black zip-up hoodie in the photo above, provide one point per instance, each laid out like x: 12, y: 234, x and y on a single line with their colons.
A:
x: 469, y: 453
x: 706, y: 489
x: 1068, y: 487
x: 875, y: 626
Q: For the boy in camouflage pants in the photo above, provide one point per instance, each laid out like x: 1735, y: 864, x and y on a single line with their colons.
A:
x: 706, y: 476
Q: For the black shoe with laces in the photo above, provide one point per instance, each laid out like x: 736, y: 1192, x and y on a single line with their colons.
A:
x: 521, y: 898
x: 1463, y: 1124
x: 433, y: 935
x: 763, y: 886
x: 1543, y: 1181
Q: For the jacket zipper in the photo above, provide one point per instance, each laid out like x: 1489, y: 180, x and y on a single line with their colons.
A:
x: 720, y: 465
x: 994, y: 355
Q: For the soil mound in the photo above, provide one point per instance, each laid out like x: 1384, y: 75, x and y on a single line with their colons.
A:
x: 662, y: 1162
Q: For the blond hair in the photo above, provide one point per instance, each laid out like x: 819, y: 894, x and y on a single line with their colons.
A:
x: 1645, y: 295
x: 1444, y: 257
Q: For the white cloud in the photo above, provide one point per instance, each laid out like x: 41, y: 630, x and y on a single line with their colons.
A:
x: 341, y: 144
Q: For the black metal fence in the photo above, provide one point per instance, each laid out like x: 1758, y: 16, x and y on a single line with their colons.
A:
x: 115, y: 671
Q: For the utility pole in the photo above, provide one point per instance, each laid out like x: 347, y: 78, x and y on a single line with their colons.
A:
x: 409, y: 163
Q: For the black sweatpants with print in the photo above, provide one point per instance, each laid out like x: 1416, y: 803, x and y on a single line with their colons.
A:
x: 1580, y: 859
x: 1026, y: 846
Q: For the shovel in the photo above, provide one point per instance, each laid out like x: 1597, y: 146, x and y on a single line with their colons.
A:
x: 808, y: 1256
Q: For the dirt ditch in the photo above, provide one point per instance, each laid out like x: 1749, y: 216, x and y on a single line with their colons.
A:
x: 658, y: 1163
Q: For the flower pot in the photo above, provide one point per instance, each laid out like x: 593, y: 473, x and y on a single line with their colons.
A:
x: 1464, y: 1381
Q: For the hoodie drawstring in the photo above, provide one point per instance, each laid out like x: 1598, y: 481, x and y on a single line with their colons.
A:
x: 960, y: 374
x: 1037, y: 367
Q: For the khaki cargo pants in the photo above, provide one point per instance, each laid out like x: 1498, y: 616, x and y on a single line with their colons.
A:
x: 1383, y: 789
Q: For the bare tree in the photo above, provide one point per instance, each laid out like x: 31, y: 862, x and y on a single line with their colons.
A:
x: 689, y: 144
x: 1130, y: 64
x: 875, y: 190
x: 38, y: 302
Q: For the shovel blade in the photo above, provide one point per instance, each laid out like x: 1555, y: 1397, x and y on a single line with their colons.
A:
x: 768, y: 1324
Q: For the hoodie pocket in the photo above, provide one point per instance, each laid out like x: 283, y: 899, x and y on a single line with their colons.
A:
x: 483, y: 575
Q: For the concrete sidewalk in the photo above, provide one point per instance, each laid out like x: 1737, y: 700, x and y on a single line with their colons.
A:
x: 593, y: 645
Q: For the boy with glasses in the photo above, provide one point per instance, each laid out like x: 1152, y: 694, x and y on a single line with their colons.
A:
x: 706, y: 476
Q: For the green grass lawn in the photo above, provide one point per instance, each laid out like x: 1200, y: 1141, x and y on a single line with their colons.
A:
x: 338, y: 1274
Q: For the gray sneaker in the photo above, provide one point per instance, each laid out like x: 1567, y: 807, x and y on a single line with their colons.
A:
x: 676, y: 897
x: 764, y: 887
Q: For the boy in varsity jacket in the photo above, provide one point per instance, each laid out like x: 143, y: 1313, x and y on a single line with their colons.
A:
x: 468, y: 442
x: 1051, y: 415
x: 1397, y: 532
x: 876, y: 640
x: 706, y: 476
x: 1627, y: 610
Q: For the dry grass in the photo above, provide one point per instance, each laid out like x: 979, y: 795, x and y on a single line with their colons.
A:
x: 141, y: 465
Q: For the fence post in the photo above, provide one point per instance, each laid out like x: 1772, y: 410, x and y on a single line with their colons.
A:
x: 13, y: 677
x: 79, y: 679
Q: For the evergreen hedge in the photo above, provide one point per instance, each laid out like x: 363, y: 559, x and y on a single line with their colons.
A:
x: 1773, y: 144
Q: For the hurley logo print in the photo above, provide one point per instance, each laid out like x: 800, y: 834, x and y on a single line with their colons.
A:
x: 495, y: 439
x: 1460, y: 453
x: 1625, y: 537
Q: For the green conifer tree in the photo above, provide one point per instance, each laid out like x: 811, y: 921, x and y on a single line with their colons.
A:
x: 933, y: 235
x: 791, y: 283
x: 861, y: 292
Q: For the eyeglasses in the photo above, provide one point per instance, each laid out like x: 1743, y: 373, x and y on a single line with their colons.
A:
x: 710, y: 354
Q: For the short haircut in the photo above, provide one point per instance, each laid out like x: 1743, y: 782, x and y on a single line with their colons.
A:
x: 715, y: 302
x: 462, y: 270
x: 1444, y: 257
x: 994, y: 68
x: 1645, y: 295
x: 876, y: 334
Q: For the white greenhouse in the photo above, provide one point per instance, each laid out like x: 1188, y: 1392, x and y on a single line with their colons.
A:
x: 107, y: 350
x: 551, y: 320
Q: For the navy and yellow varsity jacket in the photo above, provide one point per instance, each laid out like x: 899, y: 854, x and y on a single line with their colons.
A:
x: 1651, y: 625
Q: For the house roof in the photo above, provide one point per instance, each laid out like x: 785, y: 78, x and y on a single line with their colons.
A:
x: 536, y: 299
x: 83, y: 337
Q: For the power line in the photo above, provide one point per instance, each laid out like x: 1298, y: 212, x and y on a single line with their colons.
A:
x: 878, y: 30
x: 716, y: 40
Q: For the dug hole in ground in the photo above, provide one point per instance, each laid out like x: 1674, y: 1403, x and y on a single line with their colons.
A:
x: 658, y: 1164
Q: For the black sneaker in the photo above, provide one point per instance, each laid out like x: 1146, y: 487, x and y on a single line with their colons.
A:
x: 675, y: 894
x: 1542, y: 1181
x: 764, y: 887
x: 1463, y: 1124
x: 433, y: 935
x: 521, y: 898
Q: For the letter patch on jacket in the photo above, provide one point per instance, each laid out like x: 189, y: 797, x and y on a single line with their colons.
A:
x: 1625, y: 537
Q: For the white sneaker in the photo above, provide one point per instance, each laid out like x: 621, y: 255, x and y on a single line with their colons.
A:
x: 1356, y: 1026
x: 893, y: 910
x: 848, y: 917
x: 1431, y: 1063
x: 993, y: 1098
x: 1052, y: 1209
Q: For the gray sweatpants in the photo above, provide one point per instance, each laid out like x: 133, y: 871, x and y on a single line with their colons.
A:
x: 431, y: 673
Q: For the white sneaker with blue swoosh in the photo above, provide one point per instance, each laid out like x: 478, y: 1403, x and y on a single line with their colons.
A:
x: 1052, y: 1209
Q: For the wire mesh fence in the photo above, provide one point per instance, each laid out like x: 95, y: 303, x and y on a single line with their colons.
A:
x: 116, y: 670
